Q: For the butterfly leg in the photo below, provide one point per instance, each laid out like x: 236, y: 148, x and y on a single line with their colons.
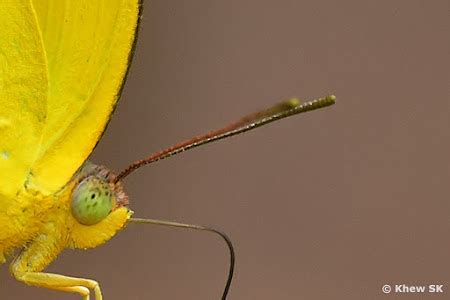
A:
x: 83, y: 291
x: 62, y: 283
x: 28, y: 266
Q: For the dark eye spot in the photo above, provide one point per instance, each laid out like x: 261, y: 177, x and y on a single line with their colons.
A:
x: 92, y: 196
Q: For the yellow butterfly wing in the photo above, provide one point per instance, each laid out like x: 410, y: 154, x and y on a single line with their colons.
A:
x: 87, y: 47
x: 23, y: 94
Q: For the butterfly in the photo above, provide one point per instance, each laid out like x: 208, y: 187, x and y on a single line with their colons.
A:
x: 62, y: 68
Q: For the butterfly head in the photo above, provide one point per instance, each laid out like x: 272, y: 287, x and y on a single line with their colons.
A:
x: 96, y: 196
x: 98, y: 204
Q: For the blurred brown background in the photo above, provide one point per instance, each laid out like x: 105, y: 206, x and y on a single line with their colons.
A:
x: 329, y: 205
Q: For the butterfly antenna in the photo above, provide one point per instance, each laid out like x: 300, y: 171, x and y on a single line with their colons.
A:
x: 279, y: 111
x: 198, y: 227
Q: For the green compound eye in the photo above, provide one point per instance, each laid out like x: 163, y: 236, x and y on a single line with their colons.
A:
x: 92, y: 201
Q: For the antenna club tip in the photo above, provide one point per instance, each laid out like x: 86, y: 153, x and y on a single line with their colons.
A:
x: 332, y: 98
x: 293, y: 102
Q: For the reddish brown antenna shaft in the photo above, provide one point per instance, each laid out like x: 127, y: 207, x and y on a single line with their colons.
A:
x: 279, y: 111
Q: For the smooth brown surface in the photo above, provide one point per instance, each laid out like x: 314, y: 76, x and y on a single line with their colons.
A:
x: 327, y: 205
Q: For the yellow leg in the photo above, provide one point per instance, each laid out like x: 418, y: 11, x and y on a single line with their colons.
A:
x: 84, y: 292
x: 62, y: 283
x: 29, y: 265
